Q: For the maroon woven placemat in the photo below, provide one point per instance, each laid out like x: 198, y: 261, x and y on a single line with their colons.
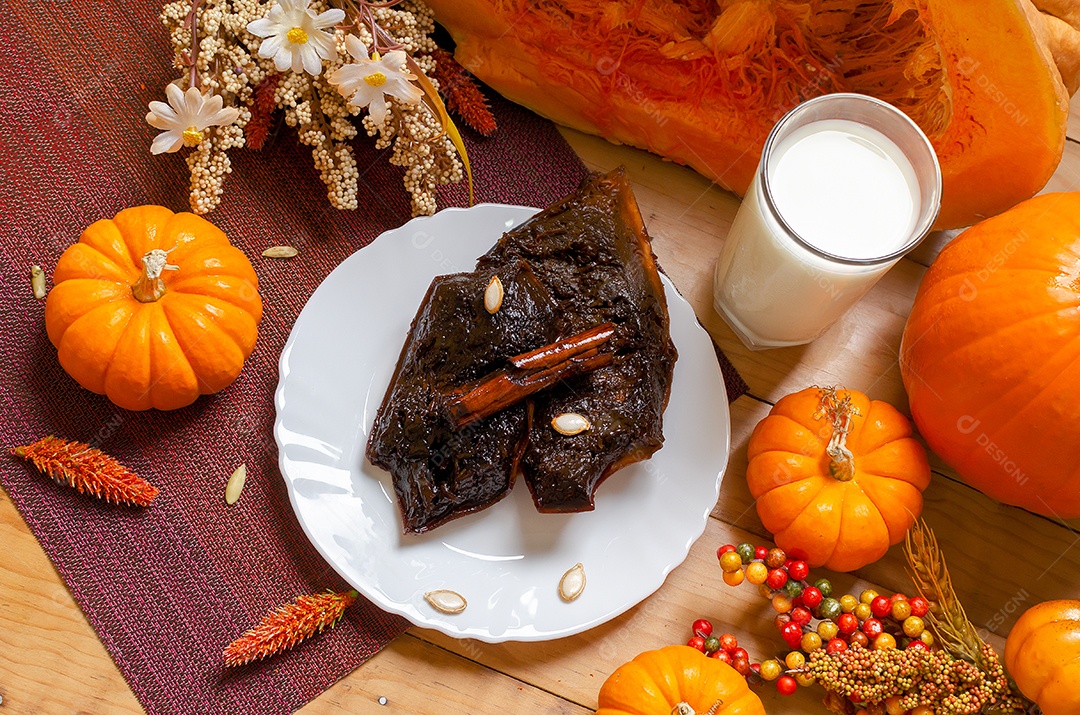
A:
x: 166, y: 588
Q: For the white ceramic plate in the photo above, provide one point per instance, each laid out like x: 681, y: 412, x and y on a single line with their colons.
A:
x: 506, y: 560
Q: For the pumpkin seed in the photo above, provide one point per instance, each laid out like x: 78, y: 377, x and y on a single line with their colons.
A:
x: 280, y: 252
x: 570, y: 423
x: 572, y: 583
x: 236, y: 484
x: 493, y: 296
x: 37, y: 281
x: 446, y: 601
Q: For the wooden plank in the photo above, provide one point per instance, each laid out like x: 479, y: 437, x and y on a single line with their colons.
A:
x: 51, y: 661
x: 418, y: 677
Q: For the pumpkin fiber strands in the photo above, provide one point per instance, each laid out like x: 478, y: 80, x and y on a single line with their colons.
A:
x: 287, y: 625
x: 702, y: 82
x: 89, y: 470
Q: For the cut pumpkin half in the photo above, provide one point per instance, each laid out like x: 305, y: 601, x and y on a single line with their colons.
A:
x: 702, y: 82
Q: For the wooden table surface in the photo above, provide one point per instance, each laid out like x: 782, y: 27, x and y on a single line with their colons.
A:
x: 1002, y: 559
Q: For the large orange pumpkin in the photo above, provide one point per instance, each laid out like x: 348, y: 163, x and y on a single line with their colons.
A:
x: 152, y: 309
x: 1042, y: 655
x: 703, y: 81
x: 677, y: 680
x: 991, y: 356
x: 837, y: 477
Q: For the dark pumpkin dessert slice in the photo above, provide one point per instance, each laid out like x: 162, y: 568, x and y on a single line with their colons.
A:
x: 440, y: 473
x: 592, y: 252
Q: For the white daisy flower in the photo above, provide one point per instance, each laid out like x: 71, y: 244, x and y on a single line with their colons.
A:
x: 366, y: 82
x: 295, y: 36
x: 186, y: 117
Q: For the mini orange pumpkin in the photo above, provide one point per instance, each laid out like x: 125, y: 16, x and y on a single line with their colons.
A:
x: 837, y: 477
x: 152, y: 309
x: 676, y: 680
x: 1042, y: 655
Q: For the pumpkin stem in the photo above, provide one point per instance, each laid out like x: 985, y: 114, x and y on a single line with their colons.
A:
x: 150, y: 287
x: 684, y: 708
x: 838, y: 411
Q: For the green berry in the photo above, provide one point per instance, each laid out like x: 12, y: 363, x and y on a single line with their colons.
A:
x: 830, y: 609
x: 825, y: 586
x: 793, y: 588
x: 746, y: 551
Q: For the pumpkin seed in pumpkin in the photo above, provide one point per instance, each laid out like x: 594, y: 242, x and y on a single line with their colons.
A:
x: 493, y: 296
x: 570, y: 423
x: 37, y: 281
x: 236, y: 484
x: 446, y: 601
x: 572, y: 584
x: 280, y: 252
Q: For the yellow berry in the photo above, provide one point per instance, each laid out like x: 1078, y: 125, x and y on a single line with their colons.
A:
x: 731, y: 562
x: 733, y: 578
x: 810, y: 642
x: 804, y: 679
x: 927, y: 637
x: 862, y: 611
x: 764, y: 591
x: 756, y: 573
x: 884, y: 642
x: 781, y: 603
x: 913, y: 626
x: 901, y: 610
x: 868, y: 595
x: 771, y: 669
x: 795, y: 660
x: 827, y: 630
x: 848, y: 603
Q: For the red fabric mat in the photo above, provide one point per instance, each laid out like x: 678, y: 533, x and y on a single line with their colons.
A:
x: 166, y: 588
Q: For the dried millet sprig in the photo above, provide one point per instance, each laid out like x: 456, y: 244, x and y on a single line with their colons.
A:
x: 89, y: 470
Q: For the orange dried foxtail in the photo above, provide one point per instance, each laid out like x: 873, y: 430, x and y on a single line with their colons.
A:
x: 287, y: 625
x: 89, y: 470
x: 462, y: 95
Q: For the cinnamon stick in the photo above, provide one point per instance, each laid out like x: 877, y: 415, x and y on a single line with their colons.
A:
x: 528, y: 373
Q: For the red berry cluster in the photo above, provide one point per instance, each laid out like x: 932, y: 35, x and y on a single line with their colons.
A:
x: 809, y: 618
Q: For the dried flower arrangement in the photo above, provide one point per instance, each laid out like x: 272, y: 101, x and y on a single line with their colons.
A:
x: 321, y: 62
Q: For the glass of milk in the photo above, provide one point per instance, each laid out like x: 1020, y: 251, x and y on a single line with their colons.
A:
x: 847, y: 185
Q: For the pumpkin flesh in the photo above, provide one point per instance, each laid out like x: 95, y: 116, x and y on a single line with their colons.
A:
x: 702, y: 82
x: 990, y: 356
x: 842, y: 525
x: 192, y: 340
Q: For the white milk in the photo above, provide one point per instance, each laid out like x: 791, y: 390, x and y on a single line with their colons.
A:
x: 845, y: 189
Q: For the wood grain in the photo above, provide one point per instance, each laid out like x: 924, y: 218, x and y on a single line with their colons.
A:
x: 1003, y: 559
